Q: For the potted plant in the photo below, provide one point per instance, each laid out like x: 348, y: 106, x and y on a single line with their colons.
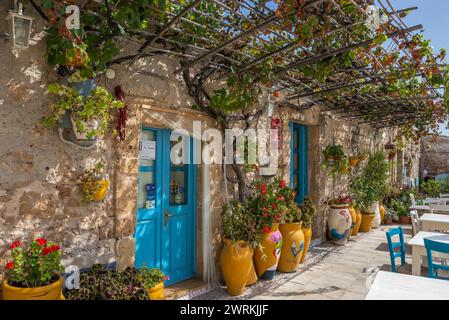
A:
x: 401, y: 210
x: 270, y: 212
x: 336, y: 160
x: 240, y: 237
x: 89, y: 115
x: 34, y: 273
x: 389, y: 216
x: 93, y: 185
x: 308, y: 211
x: 153, y: 281
x: 353, y: 161
x: 339, y: 220
x: 292, y: 234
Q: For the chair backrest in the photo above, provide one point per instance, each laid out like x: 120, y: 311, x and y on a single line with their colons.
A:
x: 435, y: 246
x: 415, y: 222
x: 429, y: 201
x: 393, y: 245
x: 412, y: 199
x: 444, y: 195
x: 439, y: 208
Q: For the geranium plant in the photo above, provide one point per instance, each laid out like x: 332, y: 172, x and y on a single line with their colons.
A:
x: 96, y: 107
x: 35, y: 266
x: 340, y: 201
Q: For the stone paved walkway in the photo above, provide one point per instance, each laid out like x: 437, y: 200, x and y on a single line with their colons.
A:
x: 329, y: 272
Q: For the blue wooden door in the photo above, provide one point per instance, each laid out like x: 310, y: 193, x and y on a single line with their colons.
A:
x: 165, y: 231
x: 299, y: 164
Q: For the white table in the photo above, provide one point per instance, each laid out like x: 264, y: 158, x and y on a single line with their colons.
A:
x: 419, y: 250
x: 432, y: 222
x: 420, y: 208
x: 396, y: 286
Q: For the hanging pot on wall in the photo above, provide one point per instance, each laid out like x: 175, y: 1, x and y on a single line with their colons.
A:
x: 267, y: 256
x: 88, y: 126
x: 339, y: 224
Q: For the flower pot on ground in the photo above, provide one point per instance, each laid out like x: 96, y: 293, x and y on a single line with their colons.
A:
x: 353, y: 214
x: 339, y: 220
x: 356, y: 229
x: 382, y: 213
x: 367, y: 220
x: 34, y: 273
x: 389, y: 221
x: 90, y: 115
x: 308, y: 211
x: 240, y: 236
x: 266, y: 256
x: 377, y: 217
x: 153, y: 282
x: 404, y: 220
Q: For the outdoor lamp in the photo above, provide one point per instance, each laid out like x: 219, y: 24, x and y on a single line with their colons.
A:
x: 390, y: 147
x: 20, y: 26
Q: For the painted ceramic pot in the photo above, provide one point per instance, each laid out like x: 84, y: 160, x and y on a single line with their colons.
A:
x: 339, y: 224
x: 236, y: 261
x: 367, y: 221
x: 307, y: 238
x: 157, y: 292
x: 82, y: 135
x: 267, y: 258
x: 292, y: 246
x: 358, y: 222
x: 375, y: 207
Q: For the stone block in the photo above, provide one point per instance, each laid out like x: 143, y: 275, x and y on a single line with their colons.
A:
x: 125, y: 251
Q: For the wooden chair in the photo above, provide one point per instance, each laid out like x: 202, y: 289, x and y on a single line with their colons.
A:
x: 433, y: 267
x: 416, y: 224
x: 438, y: 208
x: 430, y: 201
x: 393, y: 245
x: 444, y: 195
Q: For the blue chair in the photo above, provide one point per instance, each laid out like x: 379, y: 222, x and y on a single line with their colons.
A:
x: 436, y: 246
x: 393, y: 245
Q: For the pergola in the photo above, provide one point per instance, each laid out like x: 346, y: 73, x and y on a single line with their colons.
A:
x: 238, y: 37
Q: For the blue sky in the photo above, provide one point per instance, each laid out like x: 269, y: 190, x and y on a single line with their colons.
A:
x: 434, y: 16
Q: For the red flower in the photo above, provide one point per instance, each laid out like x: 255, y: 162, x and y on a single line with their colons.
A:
x: 282, y: 184
x: 46, y: 251
x: 166, y: 278
x: 266, y: 229
x: 41, y: 241
x: 265, y: 214
x: 9, y: 265
x: 273, y: 205
x: 280, y: 198
x: 15, y: 245
x: 55, y: 247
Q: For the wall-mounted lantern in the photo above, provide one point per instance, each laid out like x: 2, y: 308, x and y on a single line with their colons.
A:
x: 20, y: 26
x: 390, y: 148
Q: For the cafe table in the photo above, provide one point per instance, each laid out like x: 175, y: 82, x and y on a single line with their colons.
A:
x: 419, y: 250
x: 431, y: 222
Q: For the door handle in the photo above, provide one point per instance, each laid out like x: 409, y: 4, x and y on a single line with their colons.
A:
x: 166, y: 216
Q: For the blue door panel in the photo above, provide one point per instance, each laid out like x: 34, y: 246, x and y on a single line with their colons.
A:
x: 147, y: 253
x: 299, y: 164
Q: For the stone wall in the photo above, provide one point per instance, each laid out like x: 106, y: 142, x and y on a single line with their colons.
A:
x: 435, y: 155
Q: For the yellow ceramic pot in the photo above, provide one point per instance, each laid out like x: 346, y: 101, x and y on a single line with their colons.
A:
x: 382, y: 213
x: 353, y: 214
x: 103, y: 187
x: 367, y: 220
x: 292, y: 246
x: 252, y: 277
x: 307, y: 238
x: 236, y: 262
x: 157, y: 292
x: 358, y: 222
x: 50, y: 292
x: 267, y: 257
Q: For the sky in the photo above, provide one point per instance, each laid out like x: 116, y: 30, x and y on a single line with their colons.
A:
x: 434, y: 16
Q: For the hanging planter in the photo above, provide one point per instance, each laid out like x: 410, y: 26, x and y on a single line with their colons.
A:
x: 336, y: 161
x: 94, y: 187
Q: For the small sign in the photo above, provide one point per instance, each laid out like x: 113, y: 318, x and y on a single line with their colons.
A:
x: 148, y: 150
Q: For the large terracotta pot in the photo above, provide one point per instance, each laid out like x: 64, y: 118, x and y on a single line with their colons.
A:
x: 307, y: 238
x: 339, y: 224
x: 50, y: 292
x: 404, y: 220
x: 358, y: 222
x: 353, y: 219
x: 157, y: 292
x: 236, y: 260
x: 375, y: 207
x: 367, y: 220
x: 267, y: 258
x: 292, y: 246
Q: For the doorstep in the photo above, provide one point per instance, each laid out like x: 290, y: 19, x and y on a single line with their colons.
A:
x: 186, y: 290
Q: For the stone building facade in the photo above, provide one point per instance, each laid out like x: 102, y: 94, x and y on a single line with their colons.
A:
x: 39, y: 192
x: 435, y: 155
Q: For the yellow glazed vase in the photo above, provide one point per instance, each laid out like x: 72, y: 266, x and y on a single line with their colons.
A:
x: 382, y: 213
x: 267, y: 257
x: 367, y: 220
x: 236, y: 262
x: 307, y: 238
x: 157, y: 292
x: 292, y: 247
x: 252, y: 277
x: 358, y: 222
x: 50, y: 292
x: 353, y: 214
